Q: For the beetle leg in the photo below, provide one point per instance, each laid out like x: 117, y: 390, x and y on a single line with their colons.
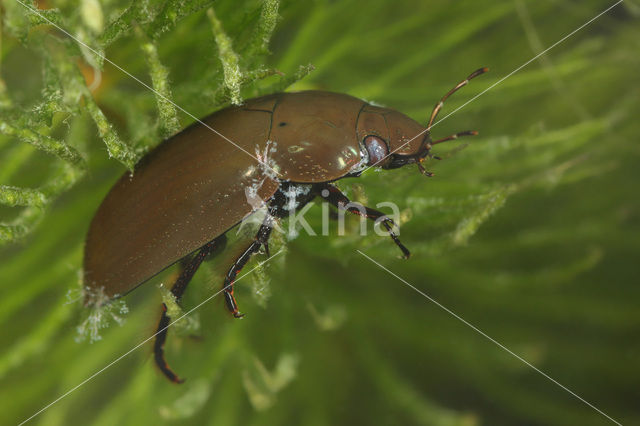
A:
x: 338, y: 199
x: 261, y: 239
x: 265, y: 244
x: 158, y: 347
x: 189, y: 269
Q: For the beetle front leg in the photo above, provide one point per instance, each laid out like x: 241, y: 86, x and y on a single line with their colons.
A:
x: 189, y: 269
x: 261, y: 239
x: 342, y: 202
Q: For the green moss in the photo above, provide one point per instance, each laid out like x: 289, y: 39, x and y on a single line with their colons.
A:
x: 229, y: 58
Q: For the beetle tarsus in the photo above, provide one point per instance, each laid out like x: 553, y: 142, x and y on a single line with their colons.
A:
x: 158, y: 348
x: 388, y: 223
x: 261, y: 240
x: 189, y: 268
x: 424, y: 171
x: 342, y: 202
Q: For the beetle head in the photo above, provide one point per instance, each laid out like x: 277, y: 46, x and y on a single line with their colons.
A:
x: 404, y: 141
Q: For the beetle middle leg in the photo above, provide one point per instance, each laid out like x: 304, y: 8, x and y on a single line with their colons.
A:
x: 261, y: 239
x: 341, y: 201
x: 189, y: 268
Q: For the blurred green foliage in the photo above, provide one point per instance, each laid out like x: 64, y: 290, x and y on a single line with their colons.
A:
x: 530, y: 231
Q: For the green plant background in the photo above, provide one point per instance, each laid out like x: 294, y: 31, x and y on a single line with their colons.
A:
x: 529, y: 231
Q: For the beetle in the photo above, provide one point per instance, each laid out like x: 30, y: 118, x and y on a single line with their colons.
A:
x: 195, y: 186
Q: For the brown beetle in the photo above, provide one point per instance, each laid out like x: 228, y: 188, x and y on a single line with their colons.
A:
x: 194, y: 187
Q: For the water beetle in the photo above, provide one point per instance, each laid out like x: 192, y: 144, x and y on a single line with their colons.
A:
x: 195, y: 186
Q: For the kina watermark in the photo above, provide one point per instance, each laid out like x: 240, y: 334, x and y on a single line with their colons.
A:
x: 289, y: 216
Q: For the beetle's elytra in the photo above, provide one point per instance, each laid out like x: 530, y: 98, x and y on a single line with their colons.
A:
x: 195, y: 186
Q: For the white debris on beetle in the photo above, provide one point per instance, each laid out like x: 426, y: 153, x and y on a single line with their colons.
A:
x: 267, y: 164
x: 292, y: 193
x: 253, y: 199
x: 102, y: 310
x: 268, y: 168
x: 291, y: 205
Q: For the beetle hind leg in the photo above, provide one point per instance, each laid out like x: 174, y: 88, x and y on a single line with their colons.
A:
x: 189, y: 269
x: 158, y: 347
x: 261, y: 240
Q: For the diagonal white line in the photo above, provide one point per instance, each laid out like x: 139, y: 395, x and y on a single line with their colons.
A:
x: 142, y: 343
x: 500, y: 81
x: 30, y: 9
x: 35, y: 11
x: 500, y: 345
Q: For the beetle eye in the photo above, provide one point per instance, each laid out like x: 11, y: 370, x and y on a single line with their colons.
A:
x: 376, y: 148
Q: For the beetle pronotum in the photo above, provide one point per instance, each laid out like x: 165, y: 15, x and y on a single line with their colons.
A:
x: 191, y: 189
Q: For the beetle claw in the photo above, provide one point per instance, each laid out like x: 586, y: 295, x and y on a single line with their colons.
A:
x: 423, y: 170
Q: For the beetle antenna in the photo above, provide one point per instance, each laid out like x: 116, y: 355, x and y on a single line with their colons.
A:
x: 463, y: 83
x: 455, y: 136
